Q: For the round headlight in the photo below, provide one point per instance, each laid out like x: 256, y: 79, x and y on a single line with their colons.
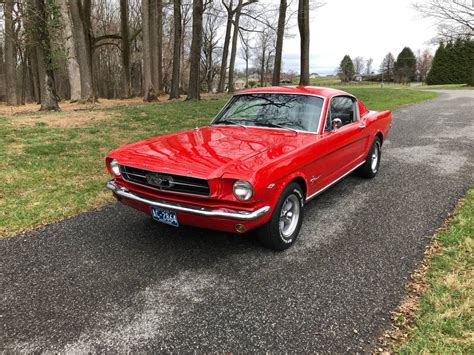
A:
x: 114, y: 166
x: 243, y: 190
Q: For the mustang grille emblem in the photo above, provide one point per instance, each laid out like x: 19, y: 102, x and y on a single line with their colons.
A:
x: 160, y: 180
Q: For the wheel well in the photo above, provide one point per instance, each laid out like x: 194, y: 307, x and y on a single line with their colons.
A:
x: 380, y: 137
x: 300, y: 181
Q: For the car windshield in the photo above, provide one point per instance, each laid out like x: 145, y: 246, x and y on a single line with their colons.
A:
x: 285, y: 111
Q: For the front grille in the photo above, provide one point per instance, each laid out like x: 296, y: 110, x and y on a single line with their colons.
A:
x: 166, y: 182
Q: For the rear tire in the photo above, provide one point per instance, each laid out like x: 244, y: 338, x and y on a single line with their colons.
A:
x: 284, y: 225
x: 372, y: 163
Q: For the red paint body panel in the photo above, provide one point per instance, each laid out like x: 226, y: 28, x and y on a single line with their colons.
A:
x: 262, y: 156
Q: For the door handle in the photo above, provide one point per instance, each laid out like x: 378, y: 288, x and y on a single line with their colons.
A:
x: 362, y: 125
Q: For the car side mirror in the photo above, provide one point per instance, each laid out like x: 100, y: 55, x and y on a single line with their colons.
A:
x: 336, y: 123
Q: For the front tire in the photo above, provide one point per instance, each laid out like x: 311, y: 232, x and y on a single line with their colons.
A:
x: 284, y: 225
x: 372, y: 163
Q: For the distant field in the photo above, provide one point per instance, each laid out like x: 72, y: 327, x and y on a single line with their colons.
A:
x: 335, y: 82
x: 52, y: 164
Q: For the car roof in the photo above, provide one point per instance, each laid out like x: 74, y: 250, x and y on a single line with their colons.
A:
x: 308, y: 90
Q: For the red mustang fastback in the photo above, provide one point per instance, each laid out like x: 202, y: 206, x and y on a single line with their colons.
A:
x: 267, y: 153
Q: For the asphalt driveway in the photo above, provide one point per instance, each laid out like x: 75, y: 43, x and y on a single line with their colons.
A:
x: 113, y: 280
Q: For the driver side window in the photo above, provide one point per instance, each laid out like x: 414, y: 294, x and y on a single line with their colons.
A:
x: 344, y: 108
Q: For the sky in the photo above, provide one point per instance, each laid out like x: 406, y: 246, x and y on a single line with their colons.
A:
x: 366, y: 28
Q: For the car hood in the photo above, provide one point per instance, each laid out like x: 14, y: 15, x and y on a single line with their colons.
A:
x: 209, y: 152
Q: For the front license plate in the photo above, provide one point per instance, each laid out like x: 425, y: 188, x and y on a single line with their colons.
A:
x: 165, y: 216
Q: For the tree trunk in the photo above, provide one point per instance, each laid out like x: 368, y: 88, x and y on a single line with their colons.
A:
x: 82, y: 51
x: 279, y: 43
x: 159, y: 46
x: 10, y: 55
x: 125, y: 47
x: 174, y: 90
x: 35, y: 74
x: 262, y: 68
x: 233, y: 52
x: 85, y: 11
x: 246, y: 72
x: 49, y: 101
x: 225, y: 50
x: 303, y: 26
x: 181, y: 60
x: 149, y: 90
x: 2, y: 63
x: 153, y: 40
x: 41, y: 73
x: 194, y: 90
x: 73, y: 71
x: 209, y: 74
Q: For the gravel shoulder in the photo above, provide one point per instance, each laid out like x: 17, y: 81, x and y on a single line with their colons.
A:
x: 113, y: 280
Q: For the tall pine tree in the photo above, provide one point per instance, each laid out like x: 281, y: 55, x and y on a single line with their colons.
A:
x: 453, y: 63
x: 405, y: 66
x: 346, y: 69
x: 439, y: 67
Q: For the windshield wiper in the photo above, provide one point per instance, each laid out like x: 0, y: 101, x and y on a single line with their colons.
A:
x: 230, y: 122
x: 273, y: 124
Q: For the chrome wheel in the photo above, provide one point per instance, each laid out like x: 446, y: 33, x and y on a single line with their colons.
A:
x: 289, y: 216
x: 375, y: 158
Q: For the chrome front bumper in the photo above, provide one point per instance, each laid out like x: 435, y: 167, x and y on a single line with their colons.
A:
x: 202, y: 211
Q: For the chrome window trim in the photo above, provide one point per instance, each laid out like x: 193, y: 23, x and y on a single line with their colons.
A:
x: 356, y: 109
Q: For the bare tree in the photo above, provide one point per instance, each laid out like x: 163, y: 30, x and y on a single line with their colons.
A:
x: 174, y: 90
x: 423, y: 64
x: 149, y: 90
x: 359, y: 65
x: 368, y: 66
x: 153, y: 38
x: 303, y: 26
x: 74, y: 73
x: 210, y: 62
x: 264, y: 50
x: 279, y: 42
x: 233, y: 53
x: 455, y: 18
x: 10, y: 55
x: 186, y: 22
x: 159, y: 46
x: 387, y: 67
x: 246, y: 53
x: 125, y: 32
x: 2, y: 63
x: 83, y: 50
x: 194, y: 90
x: 225, y: 51
x: 49, y: 100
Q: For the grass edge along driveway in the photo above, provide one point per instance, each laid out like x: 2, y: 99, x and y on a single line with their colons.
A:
x: 441, y: 319
x: 50, y: 172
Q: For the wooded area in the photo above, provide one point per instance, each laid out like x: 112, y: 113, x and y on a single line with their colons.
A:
x: 83, y: 50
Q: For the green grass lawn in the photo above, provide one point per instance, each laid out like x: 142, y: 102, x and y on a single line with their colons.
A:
x: 49, y: 173
x: 444, y: 323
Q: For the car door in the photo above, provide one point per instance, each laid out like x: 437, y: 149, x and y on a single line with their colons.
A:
x: 345, y: 145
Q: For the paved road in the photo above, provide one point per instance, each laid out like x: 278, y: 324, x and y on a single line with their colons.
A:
x: 114, y: 280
